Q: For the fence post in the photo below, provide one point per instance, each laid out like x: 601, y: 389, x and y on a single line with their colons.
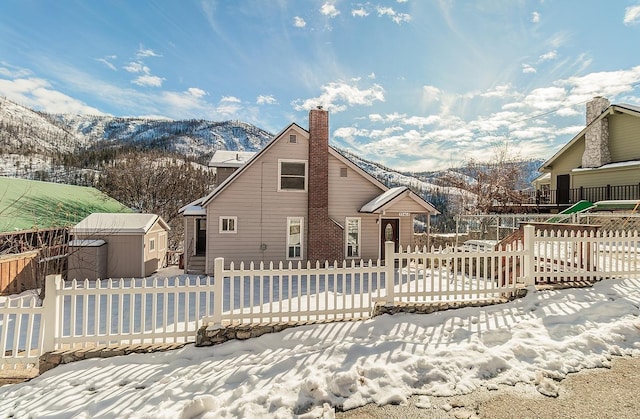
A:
x: 51, y: 312
x: 389, y: 271
x: 218, y: 278
x: 529, y: 254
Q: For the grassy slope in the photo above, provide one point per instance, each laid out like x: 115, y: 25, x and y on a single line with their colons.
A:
x: 27, y: 204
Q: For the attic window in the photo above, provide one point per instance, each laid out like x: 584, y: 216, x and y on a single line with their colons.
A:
x: 293, y: 139
x: 293, y: 175
x: 343, y: 172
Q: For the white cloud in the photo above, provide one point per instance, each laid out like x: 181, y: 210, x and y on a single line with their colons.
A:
x: 372, y: 76
x: 196, y: 92
x: 361, y: 12
x: 535, y: 17
x: 299, y: 22
x: 632, y: 15
x: 395, y: 16
x: 137, y: 67
x: 551, y: 55
x: 431, y: 94
x: 526, y: 68
x: 12, y: 71
x: 38, y: 94
x: 329, y: 9
x: 337, y: 96
x: 501, y: 91
x: 146, y: 52
x: 107, y: 61
x: 266, y: 100
x: 148, y: 80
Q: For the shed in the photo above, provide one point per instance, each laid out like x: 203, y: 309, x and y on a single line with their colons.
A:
x: 136, y: 243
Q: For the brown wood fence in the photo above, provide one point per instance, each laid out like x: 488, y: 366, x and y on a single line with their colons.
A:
x: 18, y: 272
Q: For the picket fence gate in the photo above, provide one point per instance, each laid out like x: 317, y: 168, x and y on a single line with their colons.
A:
x: 84, y: 314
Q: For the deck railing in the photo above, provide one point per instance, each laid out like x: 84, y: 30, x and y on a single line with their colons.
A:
x: 593, y: 194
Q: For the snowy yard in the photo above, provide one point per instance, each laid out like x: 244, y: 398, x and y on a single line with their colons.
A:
x: 313, y: 369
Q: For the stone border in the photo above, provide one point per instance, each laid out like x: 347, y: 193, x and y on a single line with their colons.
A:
x: 64, y: 356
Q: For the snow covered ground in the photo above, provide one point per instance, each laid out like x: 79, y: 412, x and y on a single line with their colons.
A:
x: 309, y: 371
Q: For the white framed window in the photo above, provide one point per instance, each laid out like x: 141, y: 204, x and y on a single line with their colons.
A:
x: 292, y: 175
x: 228, y: 224
x: 295, y: 237
x: 352, y: 231
x: 152, y: 244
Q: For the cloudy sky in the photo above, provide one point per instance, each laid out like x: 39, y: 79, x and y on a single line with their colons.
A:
x: 414, y: 84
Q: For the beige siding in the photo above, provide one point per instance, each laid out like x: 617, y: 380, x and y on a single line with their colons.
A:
x: 124, y: 256
x: 346, y: 196
x: 569, y: 160
x: 614, y: 177
x: 262, y: 211
x: 189, y: 239
x: 624, y: 135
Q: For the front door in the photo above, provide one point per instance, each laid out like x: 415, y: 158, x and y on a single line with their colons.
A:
x: 201, y: 236
x: 563, y: 183
x: 390, y: 231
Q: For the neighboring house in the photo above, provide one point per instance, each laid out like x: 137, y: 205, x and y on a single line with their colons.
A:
x: 30, y: 204
x: 602, y: 162
x: 136, y: 246
x: 225, y: 162
x: 299, y: 199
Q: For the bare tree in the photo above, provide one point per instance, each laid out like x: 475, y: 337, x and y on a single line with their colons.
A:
x: 497, y: 182
x: 156, y: 183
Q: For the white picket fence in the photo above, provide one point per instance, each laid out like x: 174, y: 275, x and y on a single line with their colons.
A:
x: 140, y: 311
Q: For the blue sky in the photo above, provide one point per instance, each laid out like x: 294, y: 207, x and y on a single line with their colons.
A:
x: 413, y: 84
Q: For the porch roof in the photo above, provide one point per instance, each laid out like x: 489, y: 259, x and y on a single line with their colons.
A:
x: 394, y: 196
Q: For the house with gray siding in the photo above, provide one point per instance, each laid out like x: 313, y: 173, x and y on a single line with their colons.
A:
x: 298, y: 199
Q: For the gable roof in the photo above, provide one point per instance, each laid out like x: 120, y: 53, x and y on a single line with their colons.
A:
x: 622, y: 108
x: 118, y: 223
x: 27, y: 204
x: 393, y: 196
x: 230, y: 158
x: 332, y: 151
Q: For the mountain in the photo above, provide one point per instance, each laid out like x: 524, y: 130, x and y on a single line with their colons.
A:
x: 33, y: 141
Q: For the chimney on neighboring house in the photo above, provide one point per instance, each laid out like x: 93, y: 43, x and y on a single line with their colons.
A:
x: 596, y: 138
x: 325, y: 238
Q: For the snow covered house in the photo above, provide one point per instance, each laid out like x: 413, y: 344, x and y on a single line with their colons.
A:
x: 225, y: 162
x: 298, y: 199
x: 134, y: 245
x: 602, y: 162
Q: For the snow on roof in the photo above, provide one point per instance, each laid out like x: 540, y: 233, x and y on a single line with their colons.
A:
x: 608, y: 166
x: 193, y: 210
x: 383, y: 199
x: 87, y: 243
x: 117, y: 223
x: 230, y: 158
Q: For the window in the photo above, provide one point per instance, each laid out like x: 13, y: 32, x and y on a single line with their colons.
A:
x: 295, y: 227
x: 353, y: 237
x: 343, y: 172
x: 228, y: 224
x: 293, y: 139
x: 152, y: 245
x: 293, y: 175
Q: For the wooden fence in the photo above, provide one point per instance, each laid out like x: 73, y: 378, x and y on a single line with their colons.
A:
x: 18, y: 272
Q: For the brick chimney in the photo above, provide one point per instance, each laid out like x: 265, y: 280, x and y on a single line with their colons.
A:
x: 325, y: 238
x: 596, y: 138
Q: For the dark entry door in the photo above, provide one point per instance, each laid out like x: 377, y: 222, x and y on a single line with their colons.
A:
x: 390, y: 231
x: 201, y: 236
x: 563, y: 183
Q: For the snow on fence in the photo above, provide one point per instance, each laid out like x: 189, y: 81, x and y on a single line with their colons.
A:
x: 92, y: 313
